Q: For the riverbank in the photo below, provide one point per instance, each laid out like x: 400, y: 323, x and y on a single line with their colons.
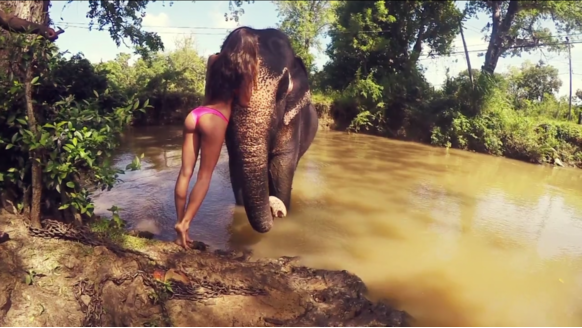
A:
x: 131, y: 281
x: 497, y: 131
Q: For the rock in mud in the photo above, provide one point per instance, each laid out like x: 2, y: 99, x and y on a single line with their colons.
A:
x: 141, y: 234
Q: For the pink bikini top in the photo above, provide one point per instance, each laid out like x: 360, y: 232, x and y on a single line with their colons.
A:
x: 202, y: 110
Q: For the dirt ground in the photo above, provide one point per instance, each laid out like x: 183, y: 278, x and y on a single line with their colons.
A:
x: 54, y: 282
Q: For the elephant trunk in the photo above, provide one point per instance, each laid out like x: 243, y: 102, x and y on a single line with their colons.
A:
x: 253, y: 155
x: 256, y: 193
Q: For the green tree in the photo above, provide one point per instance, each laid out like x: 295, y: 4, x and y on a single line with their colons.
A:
x: 173, y: 81
x: 515, y: 26
x: 18, y: 62
x: 534, y: 82
x: 305, y: 22
x: 374, y: 52
x: 384, y: 37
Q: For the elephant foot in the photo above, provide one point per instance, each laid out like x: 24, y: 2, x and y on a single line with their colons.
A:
x: 278, y: 209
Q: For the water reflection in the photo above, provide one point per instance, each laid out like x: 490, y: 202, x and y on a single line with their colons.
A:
x: 453, y: 237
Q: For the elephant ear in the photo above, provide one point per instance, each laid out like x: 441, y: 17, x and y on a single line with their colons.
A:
x: 293, y: 110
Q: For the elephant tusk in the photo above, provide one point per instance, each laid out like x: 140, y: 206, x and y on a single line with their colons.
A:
x: 290, y: 88
x: 290, y: 85
x: 278, y: 209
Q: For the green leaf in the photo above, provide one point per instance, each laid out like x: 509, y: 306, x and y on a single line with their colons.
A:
x: 96, y: 94
x: 8, y: 146
x: 12, y: 169
x: 34, y: 80
x: 22, y: 121
x: 75, y: 142
x: 71, y: 184
x: 64, y: 207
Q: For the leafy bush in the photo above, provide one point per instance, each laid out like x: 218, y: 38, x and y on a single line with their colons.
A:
x: 71, y: 140
x: 531, y: 133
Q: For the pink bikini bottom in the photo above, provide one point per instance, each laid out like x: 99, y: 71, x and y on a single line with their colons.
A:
x: 199, y: 111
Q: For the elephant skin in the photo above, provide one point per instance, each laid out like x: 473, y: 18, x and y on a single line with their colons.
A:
x: 266, y: 140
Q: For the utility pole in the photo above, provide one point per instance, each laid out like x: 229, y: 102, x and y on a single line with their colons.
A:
x: 466, y: 51
x: 467, y: 56
x: 570, y: 61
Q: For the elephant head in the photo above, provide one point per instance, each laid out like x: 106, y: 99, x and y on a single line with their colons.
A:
x: 261, y: 113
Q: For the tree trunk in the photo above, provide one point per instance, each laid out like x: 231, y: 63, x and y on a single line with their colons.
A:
x: 499, y: 29
x: 36, y: 169
x: 35, y: 12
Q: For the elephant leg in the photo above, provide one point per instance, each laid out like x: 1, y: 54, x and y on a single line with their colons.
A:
x: 235, y: 175
x: 310, y: 125
x: 282, y: 171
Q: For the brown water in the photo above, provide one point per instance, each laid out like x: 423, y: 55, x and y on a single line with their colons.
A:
x: 452, y: 237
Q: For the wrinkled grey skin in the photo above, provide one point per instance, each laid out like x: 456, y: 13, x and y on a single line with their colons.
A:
x: 266, y: 140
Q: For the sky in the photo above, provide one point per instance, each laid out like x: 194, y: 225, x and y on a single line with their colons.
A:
x: 204, y: 20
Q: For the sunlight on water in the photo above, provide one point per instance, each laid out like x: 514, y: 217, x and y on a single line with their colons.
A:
x: 454, y: 238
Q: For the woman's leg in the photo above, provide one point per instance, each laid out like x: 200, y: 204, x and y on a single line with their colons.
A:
x: 211, y: 140
x: 190, y: 148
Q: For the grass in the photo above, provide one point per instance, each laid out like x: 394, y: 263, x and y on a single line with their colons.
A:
x: 117, y: 234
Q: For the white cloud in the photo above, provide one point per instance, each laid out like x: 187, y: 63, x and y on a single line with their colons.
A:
x: 219, y: 29
x: 161, y: 24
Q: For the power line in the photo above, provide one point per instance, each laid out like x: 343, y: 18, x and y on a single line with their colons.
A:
x: 461, y: 52
x: 79, y: 24
x: 179, y: 33
x: 71, y: 24
x: 227, y: 30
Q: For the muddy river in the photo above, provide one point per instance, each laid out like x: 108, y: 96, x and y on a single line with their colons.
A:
x: 452, y: 237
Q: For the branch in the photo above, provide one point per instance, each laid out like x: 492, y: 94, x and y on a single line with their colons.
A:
x: 509, y: 16
x: 10, y: 22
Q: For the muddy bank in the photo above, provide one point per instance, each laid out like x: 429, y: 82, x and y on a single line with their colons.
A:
x: 55, y: 282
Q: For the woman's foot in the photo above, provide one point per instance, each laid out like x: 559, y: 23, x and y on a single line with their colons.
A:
x: 183, y: 239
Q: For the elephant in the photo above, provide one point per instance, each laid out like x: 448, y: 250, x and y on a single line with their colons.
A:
x: 268, y: 135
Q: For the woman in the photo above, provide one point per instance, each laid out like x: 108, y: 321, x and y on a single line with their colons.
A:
x: 230, y: 76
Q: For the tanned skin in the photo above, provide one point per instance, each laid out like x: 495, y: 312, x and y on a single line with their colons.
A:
x: 205, y: 136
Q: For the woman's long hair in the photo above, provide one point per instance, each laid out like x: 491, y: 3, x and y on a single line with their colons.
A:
x: 235, y: 70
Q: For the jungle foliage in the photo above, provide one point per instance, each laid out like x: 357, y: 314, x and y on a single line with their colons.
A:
x: 375, y: 81
x: 60, y: 115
